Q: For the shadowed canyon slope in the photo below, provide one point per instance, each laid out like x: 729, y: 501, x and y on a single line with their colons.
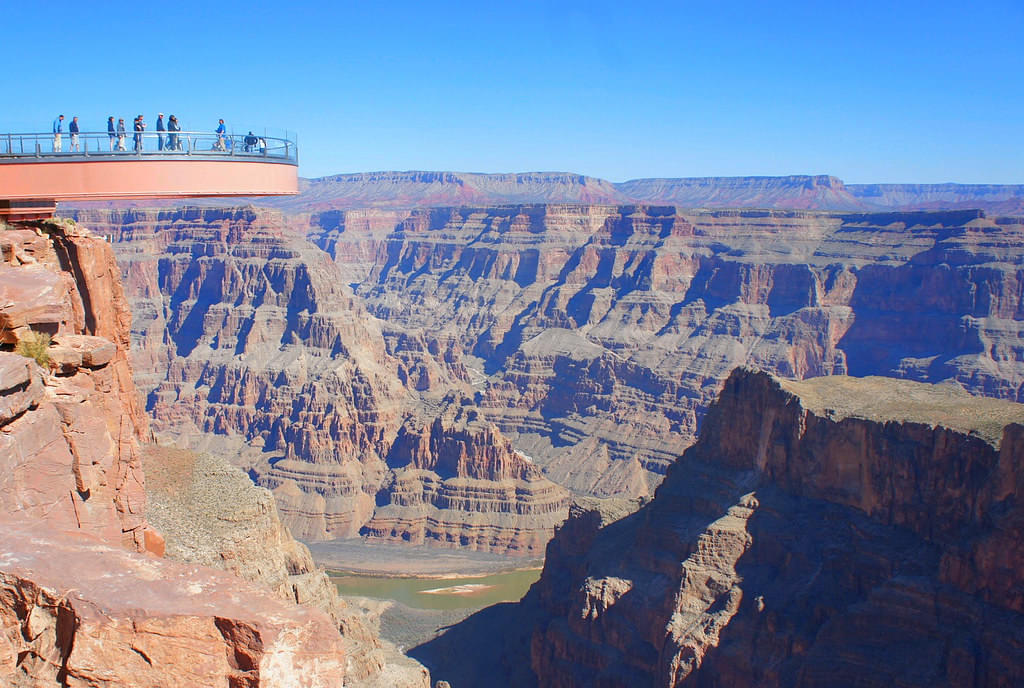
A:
x: 836, y: 531
x: 593, y: 337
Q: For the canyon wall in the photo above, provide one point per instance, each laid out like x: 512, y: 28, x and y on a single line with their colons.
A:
x: 836, y: 531
x: 592, y: 337
x: 596, y: 336
x: 252, y: 333
x: 423, y: 189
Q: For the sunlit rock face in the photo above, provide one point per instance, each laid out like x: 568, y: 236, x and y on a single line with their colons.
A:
x: 70, y: 428
x: 597, y: 336
x: 80, y: 613
x: 593, y: 337
x: 254, y: 335
x: 86, y: 595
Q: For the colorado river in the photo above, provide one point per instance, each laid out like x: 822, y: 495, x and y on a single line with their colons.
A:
x: 471, y: 592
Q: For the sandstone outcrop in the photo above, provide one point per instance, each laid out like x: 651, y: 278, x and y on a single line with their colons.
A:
x: 77, y: 606
x: 836, y: 531
x: 69, y: 432
x: 211, y: 514
x: 75, y: 612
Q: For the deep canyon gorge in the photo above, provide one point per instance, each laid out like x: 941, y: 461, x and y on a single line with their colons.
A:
x: 776, y: 445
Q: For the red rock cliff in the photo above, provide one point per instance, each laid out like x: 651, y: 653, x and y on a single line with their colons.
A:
x: 69, y: 441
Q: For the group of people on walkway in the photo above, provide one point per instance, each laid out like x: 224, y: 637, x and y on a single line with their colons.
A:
x: 167, y: 136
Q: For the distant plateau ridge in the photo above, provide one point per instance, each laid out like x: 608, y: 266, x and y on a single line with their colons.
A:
x: 419, y: 189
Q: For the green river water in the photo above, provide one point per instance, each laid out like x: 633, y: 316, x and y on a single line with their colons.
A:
x: 481, y: 591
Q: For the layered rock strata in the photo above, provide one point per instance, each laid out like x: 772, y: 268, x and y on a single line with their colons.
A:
x: 460, y: 482
x: 424, y: 189
x: 266, y: 343
x: 593, y: 337
x: 836, y: 531
x: 603, y: 333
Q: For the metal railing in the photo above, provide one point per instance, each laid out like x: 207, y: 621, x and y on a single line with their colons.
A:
x: 148, y: 144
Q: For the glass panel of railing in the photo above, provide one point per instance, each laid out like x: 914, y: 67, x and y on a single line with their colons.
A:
x: 148, y: 143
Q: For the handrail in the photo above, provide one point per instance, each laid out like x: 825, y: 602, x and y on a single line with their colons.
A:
x: 106, y: 145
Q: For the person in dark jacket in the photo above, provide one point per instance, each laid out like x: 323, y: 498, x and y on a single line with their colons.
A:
x: 172, y: 138
x: 250, y: 142
x: 140, y: 127
x: 73, y: 130
x: 159, y: 131
x: 111, y: 131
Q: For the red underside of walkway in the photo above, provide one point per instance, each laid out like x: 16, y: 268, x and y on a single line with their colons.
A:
x: 105, y: 180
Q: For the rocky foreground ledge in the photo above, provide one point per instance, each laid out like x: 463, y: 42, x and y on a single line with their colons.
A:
x: 78, y: 612
x: 831, y: 532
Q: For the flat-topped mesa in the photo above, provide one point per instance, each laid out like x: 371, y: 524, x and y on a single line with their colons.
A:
x: 826, y: 532
x: 939, y: 461
x: 428, y: 189
x: 821, y: 192
x: 70, y: 427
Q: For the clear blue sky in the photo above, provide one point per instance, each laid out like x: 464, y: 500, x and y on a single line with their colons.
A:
x: 902, y: 91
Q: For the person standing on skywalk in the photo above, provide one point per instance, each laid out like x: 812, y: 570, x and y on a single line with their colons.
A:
x: 58, y: 129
